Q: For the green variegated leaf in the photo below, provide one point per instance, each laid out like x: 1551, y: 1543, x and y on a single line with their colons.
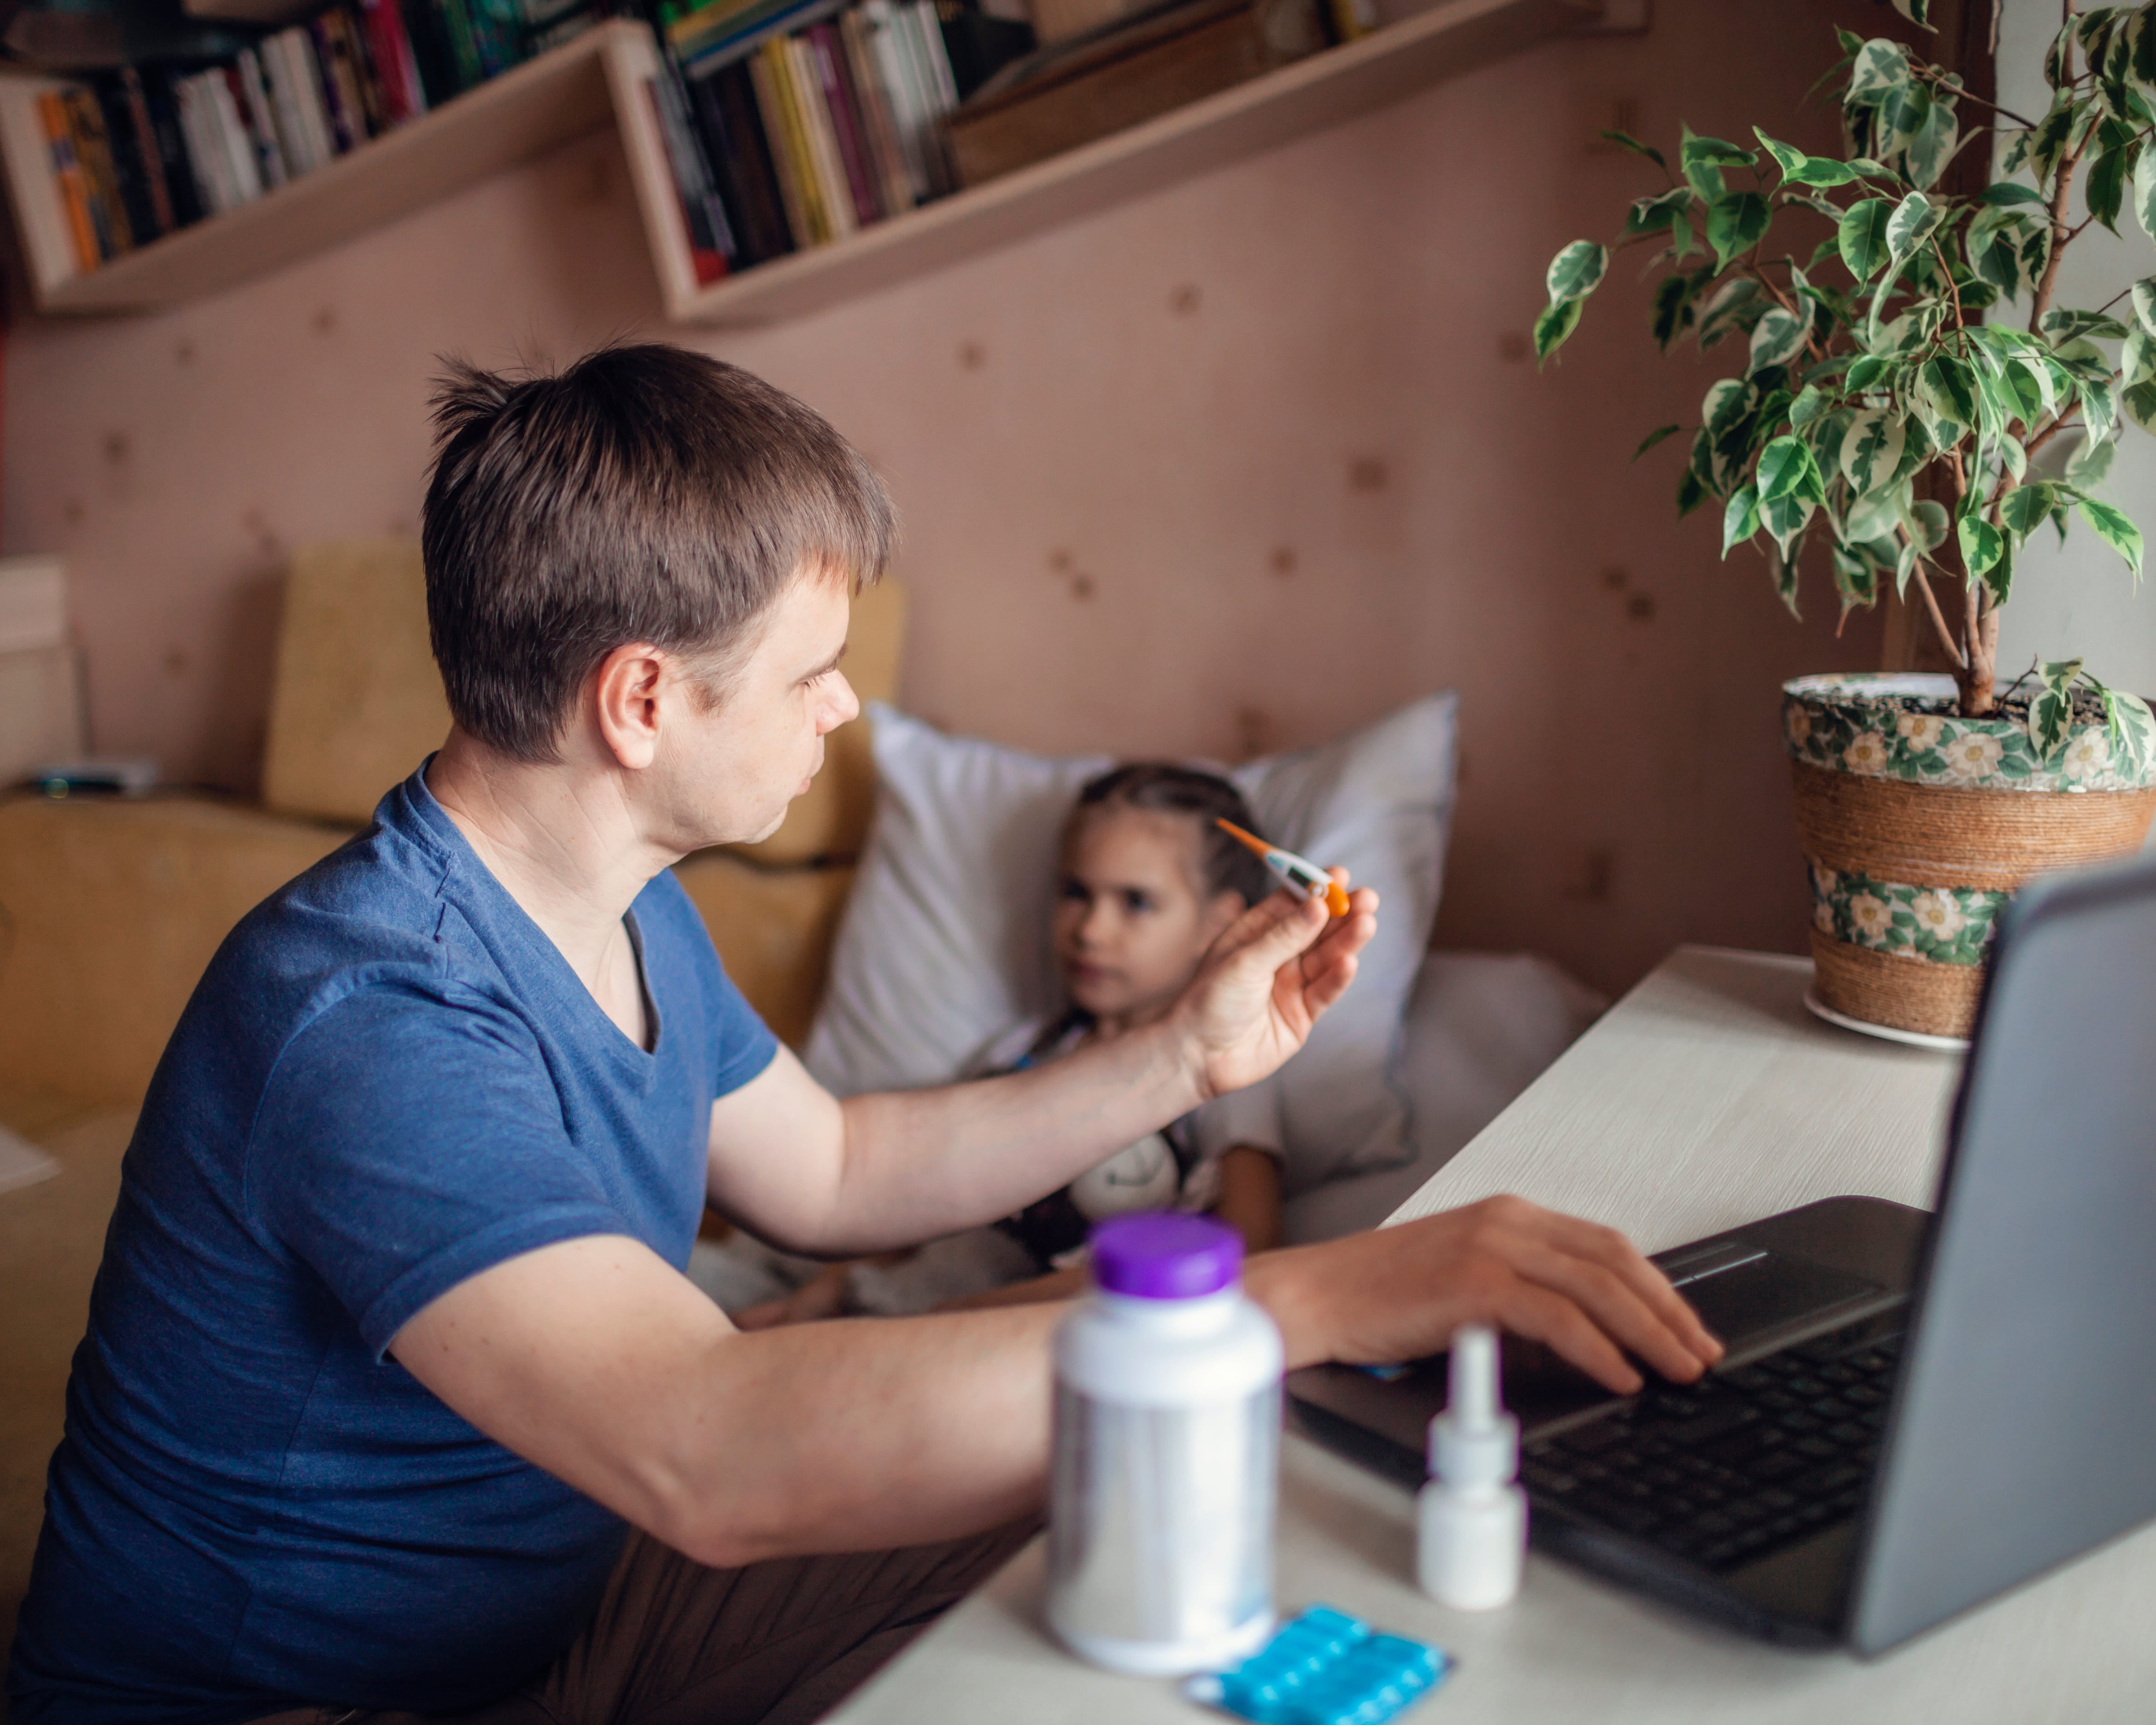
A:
x: 1948, y: 387
x: 1861, y: 237
x: 1781, y: 563
x: 1673, y: 308
x: 2144, y: 303
x: 1651, y: 215
x: 1778, y: 338
x: 2051, y: 707
x: 2144, y: 193
x: 1811, y: 402
x: 2063, y: 324
x: 2014, y: 456
x: 1577, y: 270
x: 1627, y: 141
x: 1926, y: 522
x: 1873, y: 518
x: 2090, y: 463
x: 1930, y: 146
x: 1787, y: 470
x: 1740, y: 521
x: 1918, y: 12
x: 2113, y: 528
x: 2023, y: 510
x: 2105, y: 188
x: 1981, y: 543
x: 2033, y: 383
x: 1880, y: 66
x: 1868, y: 372
x: 1871, y: 450
x: 1691, y: 493
x: 2005, y: 192
x: 1733, y: 305
x: 1856, y: 580
x: 1554, y: 326
x: 1910, y: 225
x: 1736, y: 222
x: 2136, y: 391
x: 1905, y: 566
x: 1787, y: 156
x: 1654, y: 437
x: 1699, y: 463
x: 2099, y: 401
x: 2133, y: 728
x: 2008, y: 250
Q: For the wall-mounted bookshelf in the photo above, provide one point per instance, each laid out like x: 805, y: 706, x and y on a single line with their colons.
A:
x: 526, y: 111
x: 1451, y: 37
x: 572, y: 88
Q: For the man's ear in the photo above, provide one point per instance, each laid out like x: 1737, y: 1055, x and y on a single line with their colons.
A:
x: 625, y: 690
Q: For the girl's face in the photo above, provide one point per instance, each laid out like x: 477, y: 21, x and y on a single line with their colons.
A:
x: 1131, y: 920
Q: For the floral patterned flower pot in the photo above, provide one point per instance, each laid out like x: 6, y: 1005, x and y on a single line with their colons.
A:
x: 1918, y: 825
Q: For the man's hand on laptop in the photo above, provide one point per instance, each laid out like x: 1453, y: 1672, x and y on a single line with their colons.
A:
x: 1398, y: 1294
x: 1268, y: 978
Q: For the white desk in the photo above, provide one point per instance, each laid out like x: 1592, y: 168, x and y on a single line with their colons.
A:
x: 1708, y: 1097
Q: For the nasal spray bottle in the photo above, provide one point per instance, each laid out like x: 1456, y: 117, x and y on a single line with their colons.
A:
x: 1474, y: 1518
x: 1166, y: 1454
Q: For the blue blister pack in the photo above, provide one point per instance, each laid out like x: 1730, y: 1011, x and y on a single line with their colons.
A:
x: 1325, y: 1668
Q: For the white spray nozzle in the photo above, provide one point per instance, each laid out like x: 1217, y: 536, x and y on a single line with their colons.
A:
x: 1471, y: 1386
x: 1473, y: 1443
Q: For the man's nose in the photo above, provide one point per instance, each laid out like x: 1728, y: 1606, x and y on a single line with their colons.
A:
x: 842, y: 706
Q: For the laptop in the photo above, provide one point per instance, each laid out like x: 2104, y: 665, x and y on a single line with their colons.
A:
x: 1917, y: 1410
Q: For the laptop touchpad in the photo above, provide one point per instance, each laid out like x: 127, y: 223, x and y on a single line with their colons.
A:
x: 1744, y: 1294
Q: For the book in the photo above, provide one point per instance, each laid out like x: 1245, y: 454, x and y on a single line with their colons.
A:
x: 32, y: 603
x: 785, y: 170
x: 747, y: 31
x: 230, y: 131
x: 978, y: 44
x: 339, y: 99
x: 93, y: 154
x: 389, y: 53
x: 710, y: 238
x: 1090, y: 86
x: 822, y: 142
x: 288, y: 67
x: 913, y: 115
x: 128, y: 166
x: 157, y: 94
x: 432, y: 57
x: 204, y: 152
x: 777, y: 58
x: 894, y: 179
x: 826, y: 56
x: 464, y: 45
x: 253, y: 96
x: 355, y: 71
x: 734, y: 144
x: 149, y: 150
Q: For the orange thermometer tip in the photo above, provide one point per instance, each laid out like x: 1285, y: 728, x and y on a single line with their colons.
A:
x: 1299, y: 870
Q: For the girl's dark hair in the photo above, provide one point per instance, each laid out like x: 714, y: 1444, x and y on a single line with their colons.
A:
x: 1163, y: 787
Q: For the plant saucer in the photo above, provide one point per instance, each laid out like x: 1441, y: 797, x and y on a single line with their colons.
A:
x: 1915, y: 1038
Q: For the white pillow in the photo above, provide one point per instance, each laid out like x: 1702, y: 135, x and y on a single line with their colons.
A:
x: 945, y: 942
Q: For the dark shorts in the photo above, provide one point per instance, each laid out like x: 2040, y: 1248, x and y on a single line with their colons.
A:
x: 777, y: 1643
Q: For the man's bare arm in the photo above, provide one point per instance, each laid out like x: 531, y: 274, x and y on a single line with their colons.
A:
x: 807, y: 1172
x: 596, y: 1361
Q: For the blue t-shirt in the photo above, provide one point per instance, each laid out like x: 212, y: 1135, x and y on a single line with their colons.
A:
x: 388, y: 1080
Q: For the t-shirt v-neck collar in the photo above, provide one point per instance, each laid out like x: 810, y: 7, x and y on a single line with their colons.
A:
x: 493, y: 913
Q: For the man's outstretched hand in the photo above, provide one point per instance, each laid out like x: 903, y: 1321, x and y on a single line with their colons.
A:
x: 1267, y: 980
x: 1399, y: 1293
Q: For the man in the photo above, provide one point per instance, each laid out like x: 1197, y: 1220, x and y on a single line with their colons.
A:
x: 391, y: 1338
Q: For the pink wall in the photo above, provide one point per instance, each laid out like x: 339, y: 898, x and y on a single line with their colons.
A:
x: 1230, y: 469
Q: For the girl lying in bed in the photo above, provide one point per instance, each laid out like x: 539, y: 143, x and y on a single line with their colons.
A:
x: 1147, y: 882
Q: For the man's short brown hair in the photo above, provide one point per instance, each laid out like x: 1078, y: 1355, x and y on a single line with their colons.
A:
x: 645, y: 494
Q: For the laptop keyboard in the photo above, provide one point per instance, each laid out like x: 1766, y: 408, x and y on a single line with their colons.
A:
x: 1730, y: 1470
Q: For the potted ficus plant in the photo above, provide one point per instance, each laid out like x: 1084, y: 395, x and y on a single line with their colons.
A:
x: 1915, y: 404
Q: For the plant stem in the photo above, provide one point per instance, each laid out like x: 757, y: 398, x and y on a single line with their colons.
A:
x: 1954, y: 653
x: 1932, y: 75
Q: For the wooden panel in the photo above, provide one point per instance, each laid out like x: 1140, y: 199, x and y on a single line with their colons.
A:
x: 1453, y: 38
x: 358, y: 703
x: 526, y: 111
x: 115, y: 908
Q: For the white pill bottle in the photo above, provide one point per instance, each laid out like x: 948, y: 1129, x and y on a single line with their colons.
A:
x: 1166, y: 1454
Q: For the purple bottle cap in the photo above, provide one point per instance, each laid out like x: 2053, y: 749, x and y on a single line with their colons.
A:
x: 1166, y: 1256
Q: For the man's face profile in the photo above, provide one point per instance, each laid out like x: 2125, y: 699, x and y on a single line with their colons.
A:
x: 732, y: 767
